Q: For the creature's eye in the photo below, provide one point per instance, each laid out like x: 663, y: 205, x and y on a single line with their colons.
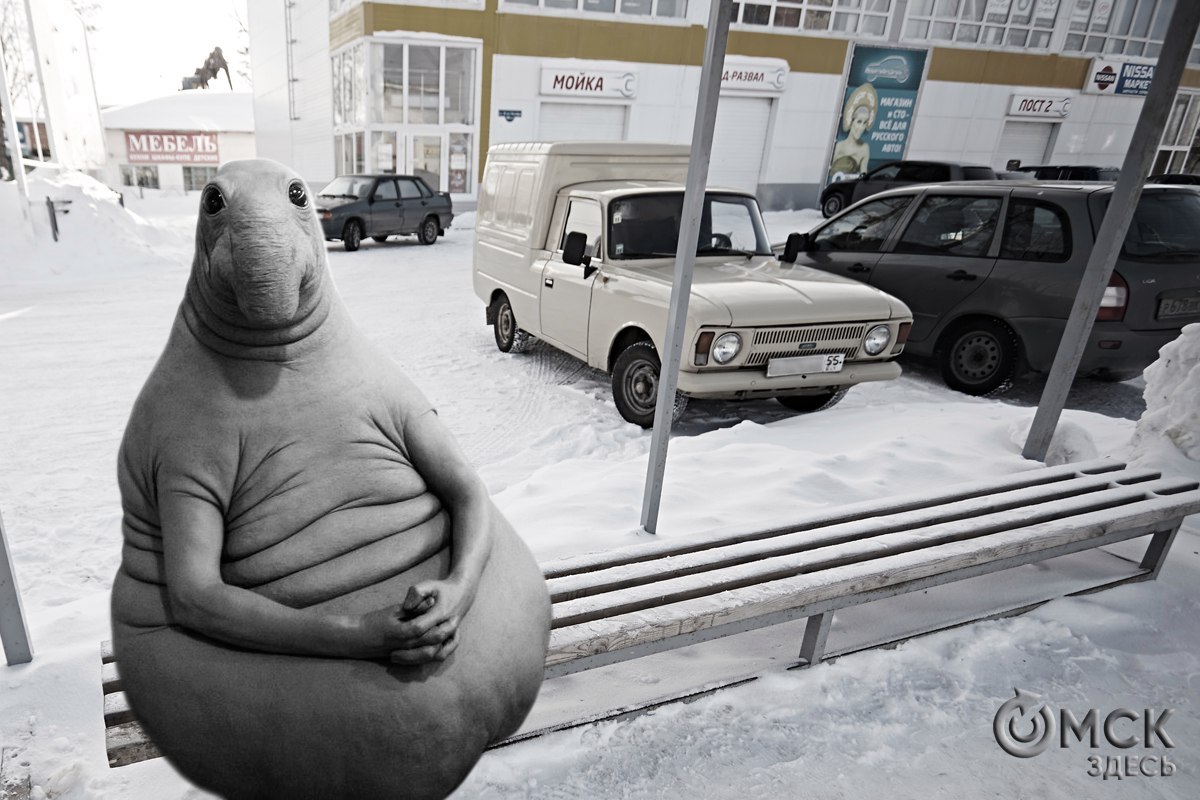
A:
x: 297, y: 195
x: 212, y: 200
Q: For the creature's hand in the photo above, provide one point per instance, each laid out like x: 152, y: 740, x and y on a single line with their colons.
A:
x: 433, y: 610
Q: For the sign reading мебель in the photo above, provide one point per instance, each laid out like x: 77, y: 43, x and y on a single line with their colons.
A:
x: 171, y: 147
x: 877, y: 109
x: 1118, y: 77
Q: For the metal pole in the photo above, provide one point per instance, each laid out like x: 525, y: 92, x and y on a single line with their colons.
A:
x: 685, y: 253
x: 42, y: 103
x: 14, y: 144
x: 1177, y: 46
x: 13, y: 631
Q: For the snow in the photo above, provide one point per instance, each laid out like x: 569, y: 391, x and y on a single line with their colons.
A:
x: 82, y: 321
x: 211, y: 109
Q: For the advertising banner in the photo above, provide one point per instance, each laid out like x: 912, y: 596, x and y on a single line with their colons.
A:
x: 171, y: 147
x: 1111, y: 76
x: 877, y: 109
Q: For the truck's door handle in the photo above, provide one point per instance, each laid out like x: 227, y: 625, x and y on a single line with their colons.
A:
x: 961, y: 275
x: 549, y: 283
x: 858, y: 268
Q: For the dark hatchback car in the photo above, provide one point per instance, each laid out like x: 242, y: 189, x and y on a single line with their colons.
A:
x: 352, y: 207
x: 991, y: 271
x: 1072, y: 172
x: 841, y: 194
x: 1184, y: 178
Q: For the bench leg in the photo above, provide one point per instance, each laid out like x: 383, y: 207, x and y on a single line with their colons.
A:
x: 812, y: 649
x: 1156, y: 551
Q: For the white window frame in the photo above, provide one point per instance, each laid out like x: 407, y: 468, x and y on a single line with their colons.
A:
x: 1094, y: 32
x: 811, y: 10
x: 971, y: 23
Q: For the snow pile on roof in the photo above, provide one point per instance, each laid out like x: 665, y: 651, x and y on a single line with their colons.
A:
x: 191, y: 110
x: 97, y: 236
x: 1168, y: 434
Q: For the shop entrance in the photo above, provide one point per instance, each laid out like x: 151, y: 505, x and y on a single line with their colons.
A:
x: 739, y: 142
x: 1030, y: 142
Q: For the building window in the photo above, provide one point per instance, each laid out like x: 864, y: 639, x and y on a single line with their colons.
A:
x: 1180, y: 147
x: 197, y: 177
x: 349, y: 86
x: 440, y: 84
x: 993, y: 23
x: 1121, y: 27
x: 849, y: 17
x: 145, y: 177
x: 638, y: 8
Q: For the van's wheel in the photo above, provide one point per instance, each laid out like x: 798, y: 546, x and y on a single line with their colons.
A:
x: 509, y: 338
x: 635, y: 385
x: 979, y: 357
x: 352, y: 235
x: 428, y: 232
x: 833, y: 204
x: 807, y: 403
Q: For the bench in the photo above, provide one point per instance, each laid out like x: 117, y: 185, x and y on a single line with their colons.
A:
x: 655, y: 596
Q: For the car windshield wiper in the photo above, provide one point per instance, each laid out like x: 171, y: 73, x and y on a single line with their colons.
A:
x: 351, y: 196
x: 710, y: 251
x: 647, y: 254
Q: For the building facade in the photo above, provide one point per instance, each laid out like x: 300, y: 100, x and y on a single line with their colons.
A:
x: 810, y: 88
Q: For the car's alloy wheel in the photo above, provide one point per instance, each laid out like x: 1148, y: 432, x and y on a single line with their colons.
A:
x: 979, y: 358
x: 352, y: 235
x: 833, y: 204
x: 509, y: 338
x: 429, y: 231
x: 807, y: 403
x: 635, y: 385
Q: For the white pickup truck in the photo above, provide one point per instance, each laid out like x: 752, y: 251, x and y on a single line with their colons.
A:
x: 575, y: 244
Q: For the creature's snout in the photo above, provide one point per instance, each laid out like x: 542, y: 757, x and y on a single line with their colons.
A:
x: 266, y: 275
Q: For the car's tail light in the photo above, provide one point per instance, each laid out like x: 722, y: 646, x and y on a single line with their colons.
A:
x: 1116, y: 297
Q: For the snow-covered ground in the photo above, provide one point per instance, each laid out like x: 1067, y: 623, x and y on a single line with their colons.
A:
x: 82, y: 321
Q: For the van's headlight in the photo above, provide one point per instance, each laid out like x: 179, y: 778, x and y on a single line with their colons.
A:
x: 877, y: 340
x: 726, y: 347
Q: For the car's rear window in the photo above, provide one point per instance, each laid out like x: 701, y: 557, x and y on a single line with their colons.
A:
x: 1165, y: 227
x: 979, y: 174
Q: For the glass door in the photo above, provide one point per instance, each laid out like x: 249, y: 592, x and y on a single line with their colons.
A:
x: 427, y: 160
x: 385, y: 154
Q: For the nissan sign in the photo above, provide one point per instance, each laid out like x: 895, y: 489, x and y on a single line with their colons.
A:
x: 1118, y: 77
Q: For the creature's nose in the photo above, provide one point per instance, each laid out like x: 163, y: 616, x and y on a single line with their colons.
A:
x: 266, y: 280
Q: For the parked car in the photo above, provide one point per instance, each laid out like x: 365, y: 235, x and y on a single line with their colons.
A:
x: 840, y: 194
x: 352, y: 207
x: 1072, y: 172
x: 1177, y: 178
x: 991, y: 271
x: 575, y: 244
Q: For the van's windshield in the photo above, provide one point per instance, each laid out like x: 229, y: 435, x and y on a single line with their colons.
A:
x: 1165, y: 227
x: 647, y: 226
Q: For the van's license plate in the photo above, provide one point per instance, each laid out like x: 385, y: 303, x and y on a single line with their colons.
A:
x: 803, y: 365
x: 1178, y: 307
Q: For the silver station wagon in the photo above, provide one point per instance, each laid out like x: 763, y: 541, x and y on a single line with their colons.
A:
x: 991, y: 270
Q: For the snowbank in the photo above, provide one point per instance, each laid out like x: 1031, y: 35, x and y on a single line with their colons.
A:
x: 1168, y: 434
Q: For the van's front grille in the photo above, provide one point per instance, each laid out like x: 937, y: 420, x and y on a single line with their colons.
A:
x: 823, y: 340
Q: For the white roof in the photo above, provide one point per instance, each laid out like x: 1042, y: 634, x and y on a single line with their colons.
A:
x: 190, y: 110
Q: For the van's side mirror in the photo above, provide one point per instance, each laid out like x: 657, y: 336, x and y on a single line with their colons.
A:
x: 574, y: 249
x: 796, y: 244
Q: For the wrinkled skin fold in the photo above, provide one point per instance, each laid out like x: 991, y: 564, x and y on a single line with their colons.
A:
x: 271, y: 414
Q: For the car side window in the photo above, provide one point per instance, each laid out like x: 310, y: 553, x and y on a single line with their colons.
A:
x: 408, y: 189
x: 424, y: 189
x: 583, y: 216
x: 949, y: 225
x: 1035, y: 230
x: 924, y: 173
x: 385, y: 190
x: 887, y: 173
x: 864, y: 228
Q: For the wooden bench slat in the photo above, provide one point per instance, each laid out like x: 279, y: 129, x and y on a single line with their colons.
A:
x: 1136, y: 502
x: 116, y: 709
x: 602, y: 579
x: 127, y: 743
x: 866, y: 508
x: 110, y: 677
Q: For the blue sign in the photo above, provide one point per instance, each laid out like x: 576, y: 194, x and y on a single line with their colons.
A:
x: 509, y: 114
x: 1119, y: 77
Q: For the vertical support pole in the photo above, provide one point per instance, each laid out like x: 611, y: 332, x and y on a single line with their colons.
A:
x: 1156, y: 551
x: 1177, y: 46
x: 812, y: 649
x: 13, y: 631
x: 685, y: 253
x: 14, y: 146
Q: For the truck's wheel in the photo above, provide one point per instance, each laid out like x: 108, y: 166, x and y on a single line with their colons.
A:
x: 509, y: 338
x: 352, y: 235
x: 635, y: 385
x: 807, y: 403
x: 979, y: 357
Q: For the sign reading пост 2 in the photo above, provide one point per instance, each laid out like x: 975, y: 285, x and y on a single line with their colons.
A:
x: 171, y: 147
x: 1118, y: 77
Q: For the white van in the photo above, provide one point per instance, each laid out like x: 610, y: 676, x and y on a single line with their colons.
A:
x: 575, y: 244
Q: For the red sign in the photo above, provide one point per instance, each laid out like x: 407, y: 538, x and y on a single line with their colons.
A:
x: 171, y: 147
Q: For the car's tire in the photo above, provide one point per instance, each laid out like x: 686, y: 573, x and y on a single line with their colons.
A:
x: 635, y: 385
x: 509, y: 337
x: 352, y: 235
x: 979, y: 357
x: 428, y: 232
x: 380, y: 239
x: 832, y: 204
x: 808, y: 403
